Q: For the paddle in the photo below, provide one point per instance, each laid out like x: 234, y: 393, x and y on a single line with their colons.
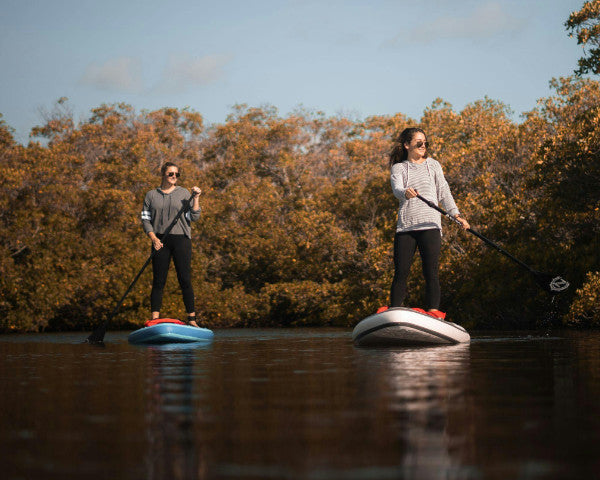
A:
x: 97, y: 335
x: 551, y: 283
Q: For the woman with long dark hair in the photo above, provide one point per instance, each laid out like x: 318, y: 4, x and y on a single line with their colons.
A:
x: 161, y: 206
x: 419, y: 226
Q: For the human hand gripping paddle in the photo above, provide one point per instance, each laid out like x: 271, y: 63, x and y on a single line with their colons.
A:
x: 97, y: 336
x: 551, y: 283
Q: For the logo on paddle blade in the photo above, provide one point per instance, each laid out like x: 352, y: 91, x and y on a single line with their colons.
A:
x: 558, y: 284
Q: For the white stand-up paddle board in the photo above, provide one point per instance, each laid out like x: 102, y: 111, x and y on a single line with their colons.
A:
x: 405, y: 326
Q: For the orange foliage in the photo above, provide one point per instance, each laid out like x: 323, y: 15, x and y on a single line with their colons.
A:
x: 298, y: 216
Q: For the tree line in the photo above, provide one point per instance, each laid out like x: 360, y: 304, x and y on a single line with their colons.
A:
x: 298, y: 215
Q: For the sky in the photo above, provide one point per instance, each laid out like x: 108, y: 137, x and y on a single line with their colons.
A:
x: 342, y: 57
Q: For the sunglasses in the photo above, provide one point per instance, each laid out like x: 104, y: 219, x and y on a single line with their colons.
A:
x: 173, y: 174
x: 420, y: 143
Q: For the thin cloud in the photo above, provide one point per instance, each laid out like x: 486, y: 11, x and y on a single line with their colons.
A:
x: 123, y: 74
x: 185, y: 73
x: 486, y: 21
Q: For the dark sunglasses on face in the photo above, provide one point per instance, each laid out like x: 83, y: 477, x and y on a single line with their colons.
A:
x: 420, y: 143
x: 175, y: 174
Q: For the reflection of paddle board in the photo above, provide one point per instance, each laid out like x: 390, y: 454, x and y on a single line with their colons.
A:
x: 166, y: 330
x: 404, y: 326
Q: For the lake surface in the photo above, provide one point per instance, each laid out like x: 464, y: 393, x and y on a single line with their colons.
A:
x: 300, y: 404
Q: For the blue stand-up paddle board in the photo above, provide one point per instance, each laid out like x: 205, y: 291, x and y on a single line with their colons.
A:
x: 166, y: 330
x: 407, y: 326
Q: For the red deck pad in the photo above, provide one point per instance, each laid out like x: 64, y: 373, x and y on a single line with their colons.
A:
x: 156, y: 321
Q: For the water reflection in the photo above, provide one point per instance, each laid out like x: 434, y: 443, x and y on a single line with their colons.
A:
x: 301, y: 404
x: 417, y: 393
x: 175, y: 451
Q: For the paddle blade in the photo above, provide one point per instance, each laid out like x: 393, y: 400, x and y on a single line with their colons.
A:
x: 97, y: 336
x: 551, y: 283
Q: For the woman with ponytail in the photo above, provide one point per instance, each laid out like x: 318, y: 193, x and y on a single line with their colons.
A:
x: 419, y: 226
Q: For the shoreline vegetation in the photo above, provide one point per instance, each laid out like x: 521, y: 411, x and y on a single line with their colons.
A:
x: 297, y: 214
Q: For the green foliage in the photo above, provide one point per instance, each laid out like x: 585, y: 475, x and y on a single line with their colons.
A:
x: 298, y: 217
x: 585, y: 24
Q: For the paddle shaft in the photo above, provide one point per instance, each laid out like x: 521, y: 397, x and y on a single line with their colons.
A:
x: 478, y: 235
x: 97, y: 335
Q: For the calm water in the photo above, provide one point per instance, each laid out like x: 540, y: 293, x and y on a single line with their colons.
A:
x: 300, y: 404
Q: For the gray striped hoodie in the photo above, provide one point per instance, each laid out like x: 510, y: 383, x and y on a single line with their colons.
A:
x: 160, y: 209
x: 428, y: 179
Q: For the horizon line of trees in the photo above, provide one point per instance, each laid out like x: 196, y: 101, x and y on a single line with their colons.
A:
x: 298, y: 215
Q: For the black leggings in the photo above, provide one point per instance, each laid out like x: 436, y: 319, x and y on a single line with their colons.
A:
x: 405, y: 244
x: 180, y: 248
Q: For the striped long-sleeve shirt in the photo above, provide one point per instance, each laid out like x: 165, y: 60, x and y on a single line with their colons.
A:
x: 161, y: 208
x: 428, y: 179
